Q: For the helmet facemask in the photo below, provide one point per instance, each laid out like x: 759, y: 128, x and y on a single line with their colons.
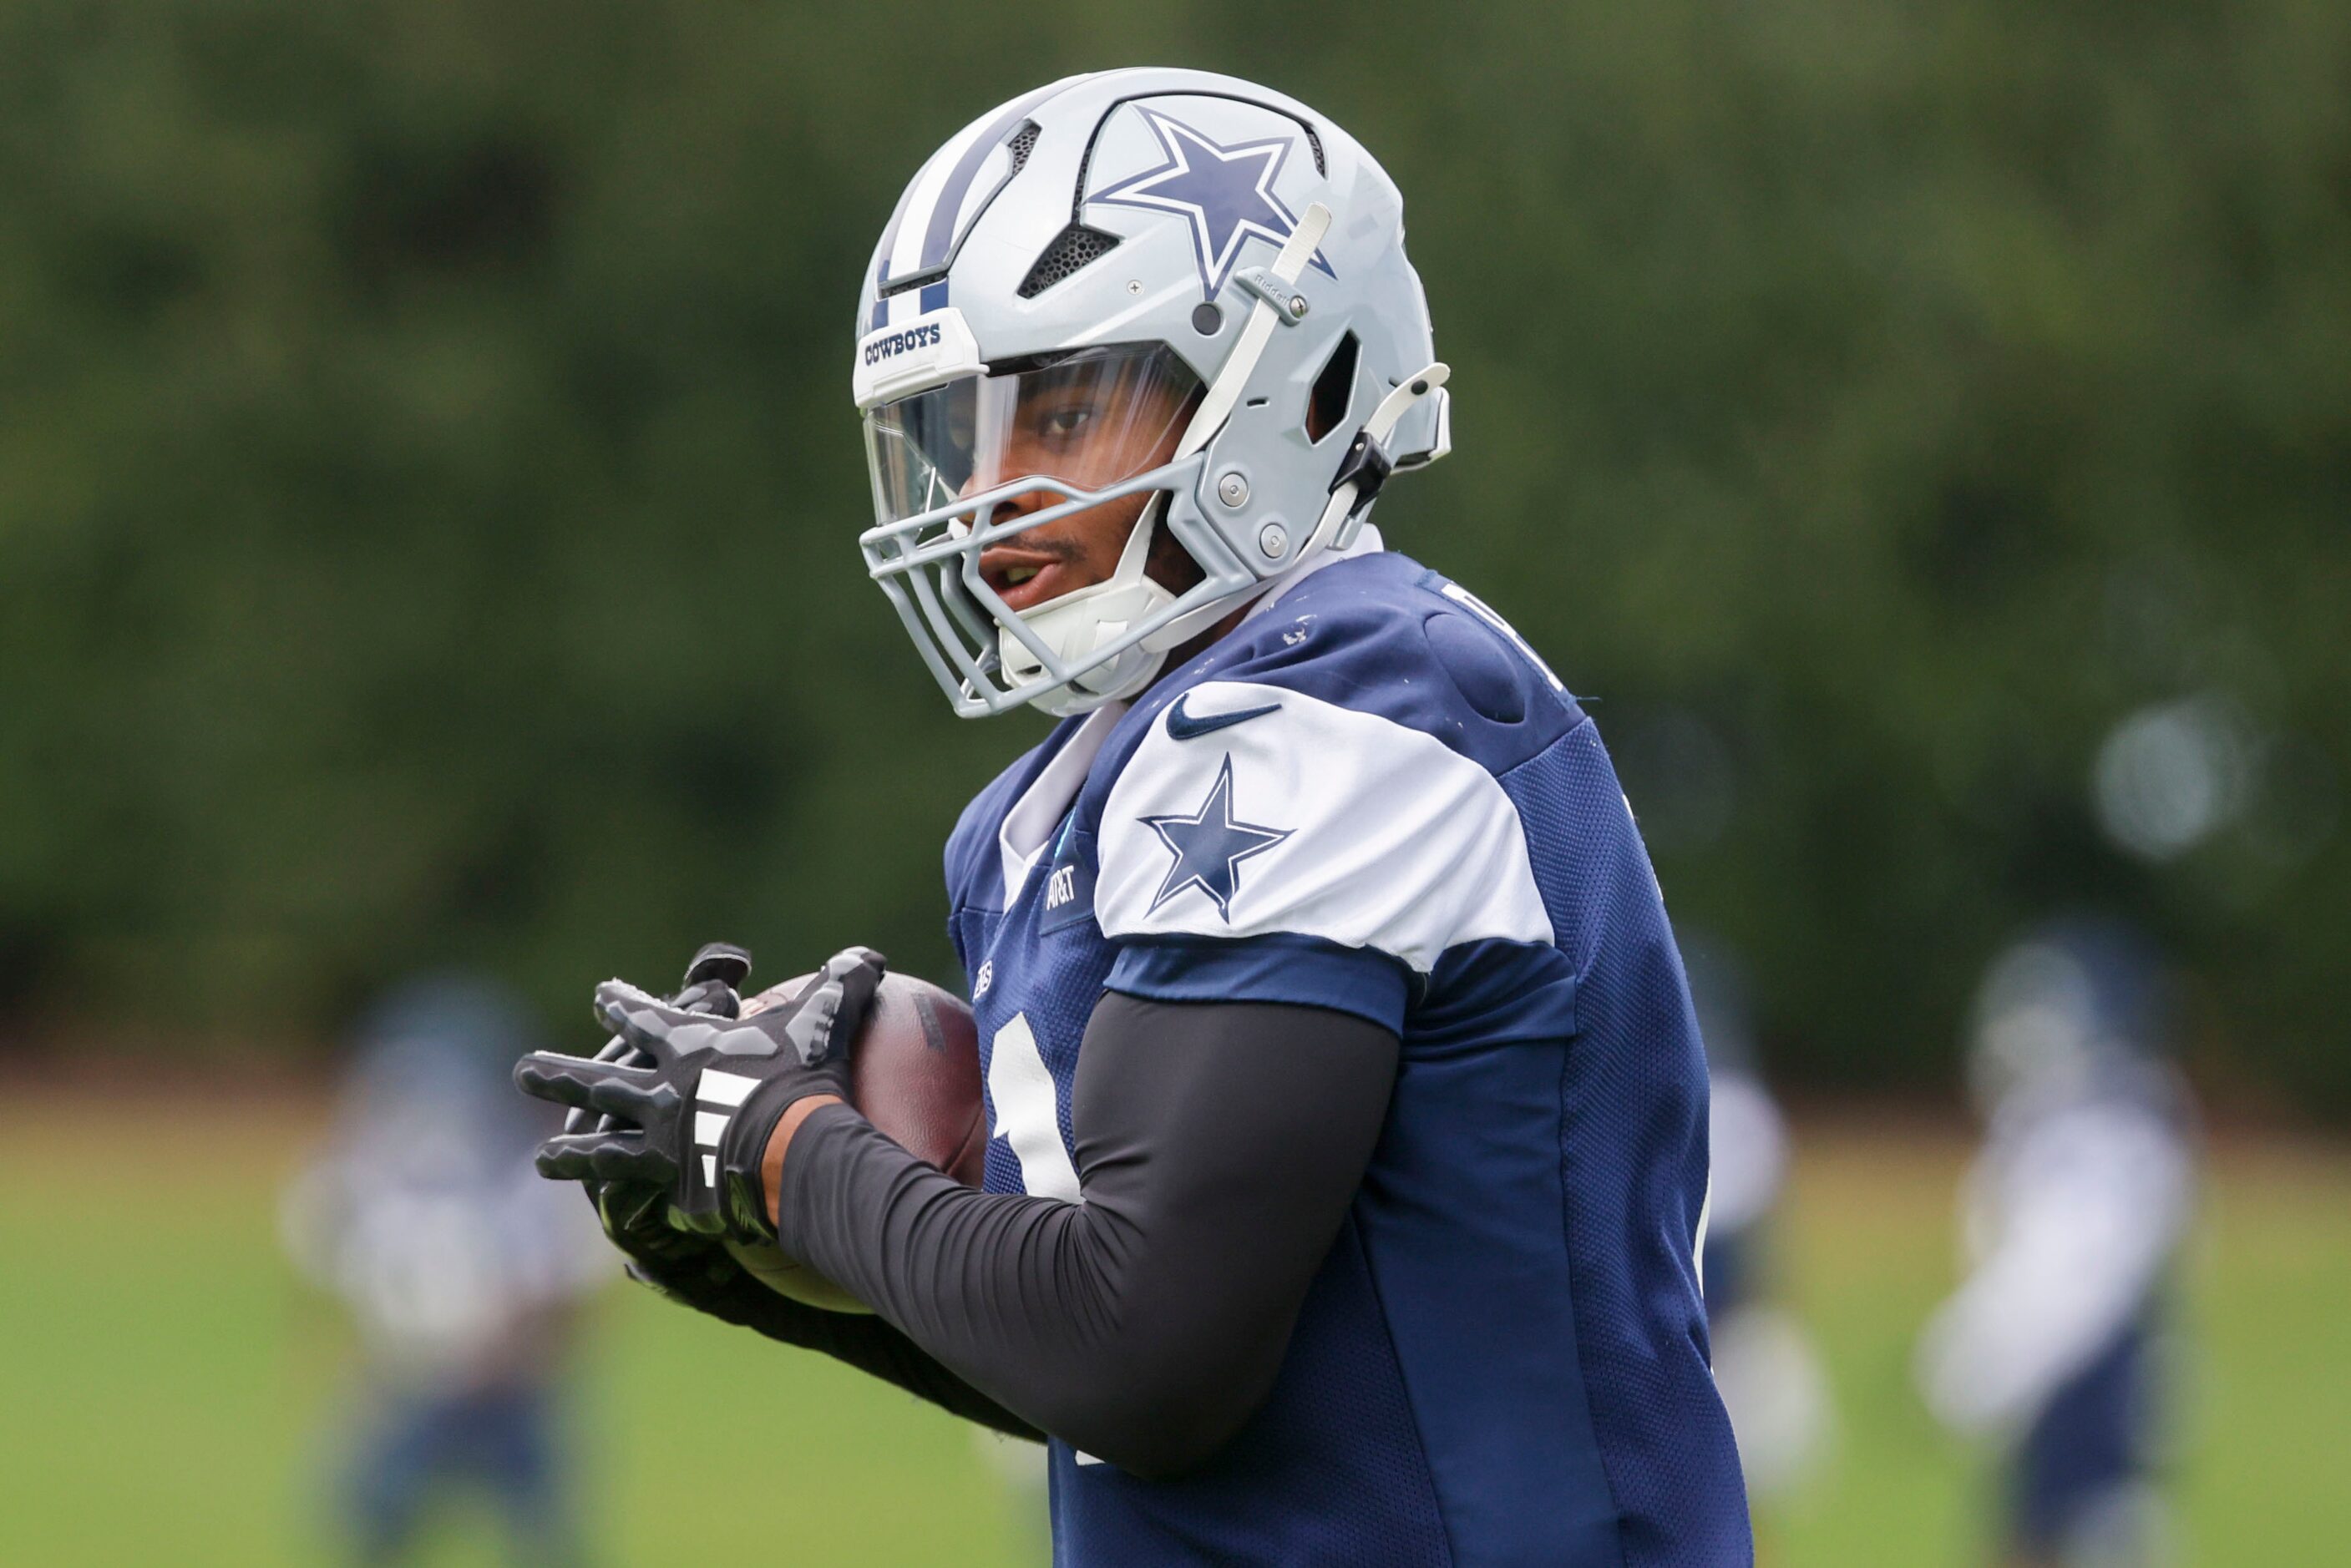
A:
x: 1010, y: 460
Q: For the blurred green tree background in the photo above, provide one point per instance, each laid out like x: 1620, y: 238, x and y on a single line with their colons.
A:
x: 428, y: 484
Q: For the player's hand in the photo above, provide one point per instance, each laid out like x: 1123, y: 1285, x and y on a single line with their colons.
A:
x: 694, y: 1119
x: 685, y: 1265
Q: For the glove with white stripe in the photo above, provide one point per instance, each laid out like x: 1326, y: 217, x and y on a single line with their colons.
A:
x: 687, y: 1266
x: 692, y: 1110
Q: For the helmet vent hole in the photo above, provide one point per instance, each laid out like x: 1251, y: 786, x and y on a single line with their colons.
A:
x: 1073, y: 248
x: 1315, y: 143
x: 1335, y: 390
x: 1024, y: 141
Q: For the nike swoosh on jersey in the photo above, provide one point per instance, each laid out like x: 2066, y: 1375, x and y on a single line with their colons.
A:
x: 1183, y: 726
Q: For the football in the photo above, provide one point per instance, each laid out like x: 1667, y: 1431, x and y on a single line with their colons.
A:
x: 915, y: 1073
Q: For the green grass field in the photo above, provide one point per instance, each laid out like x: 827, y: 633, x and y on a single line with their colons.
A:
x: 169, y: 1389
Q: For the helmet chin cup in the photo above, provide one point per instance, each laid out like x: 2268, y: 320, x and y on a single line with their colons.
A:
x: 1117, y: 684
x: 1085, y: 620
x: 1120, y: 676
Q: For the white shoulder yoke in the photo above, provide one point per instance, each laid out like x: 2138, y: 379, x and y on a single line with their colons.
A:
x: 1252, y: 810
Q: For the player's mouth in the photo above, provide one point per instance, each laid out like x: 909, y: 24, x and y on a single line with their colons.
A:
x: 1025, y: 575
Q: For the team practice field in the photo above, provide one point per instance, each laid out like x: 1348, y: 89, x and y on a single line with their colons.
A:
x: 172, y: 1385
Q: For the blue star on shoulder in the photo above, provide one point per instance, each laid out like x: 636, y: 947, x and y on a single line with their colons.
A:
x: 1209, y: 846
x: 1226, y: 192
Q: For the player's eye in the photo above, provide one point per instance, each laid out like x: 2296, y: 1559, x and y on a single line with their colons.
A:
x: 1065, y: 421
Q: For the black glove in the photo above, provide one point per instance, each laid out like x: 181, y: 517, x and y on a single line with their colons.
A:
x: 694, y: 1121
x: 683, y: 1265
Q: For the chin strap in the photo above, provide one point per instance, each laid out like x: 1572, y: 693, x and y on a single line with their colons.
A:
x: 1078, y: 622
x: 1231, y: 381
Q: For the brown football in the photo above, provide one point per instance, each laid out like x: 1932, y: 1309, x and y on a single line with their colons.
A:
x: 914, y: 1072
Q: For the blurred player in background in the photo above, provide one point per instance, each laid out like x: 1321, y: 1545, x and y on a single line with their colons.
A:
x: 462, y: 1270
x: 1764, y: 1363
x: 2072, y: 1215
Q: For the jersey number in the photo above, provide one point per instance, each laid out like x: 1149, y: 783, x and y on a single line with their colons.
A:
x: 1028, y: 1112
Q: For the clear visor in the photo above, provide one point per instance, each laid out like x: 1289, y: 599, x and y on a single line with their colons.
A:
x: 1089, y: 421
x: 1085, y: 439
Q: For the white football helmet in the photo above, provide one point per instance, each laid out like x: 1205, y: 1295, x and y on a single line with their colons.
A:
x: 1139, y: 283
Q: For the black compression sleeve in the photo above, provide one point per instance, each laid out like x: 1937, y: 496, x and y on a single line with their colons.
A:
x: 1217, y: 1148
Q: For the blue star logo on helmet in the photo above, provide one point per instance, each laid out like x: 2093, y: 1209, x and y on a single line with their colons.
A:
x: 1209, y: 846
x: 1226, y: 192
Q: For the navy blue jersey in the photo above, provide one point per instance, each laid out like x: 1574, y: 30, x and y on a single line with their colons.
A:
x: 1373, y: 797
x: 2091, y: 1451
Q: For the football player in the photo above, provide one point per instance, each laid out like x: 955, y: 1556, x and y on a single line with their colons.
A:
x: 2077, y: 1209
x: 1349, y: 1116
x: 1764, y: 1363
x: 463, y: 1282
